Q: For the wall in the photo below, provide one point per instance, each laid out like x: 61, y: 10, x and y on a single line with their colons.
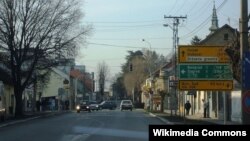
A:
x: 236, y: 105
x: 56, y: 82
x: 9, y: 100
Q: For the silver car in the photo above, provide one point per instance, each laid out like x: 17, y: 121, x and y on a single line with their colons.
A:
x: 126, y: 105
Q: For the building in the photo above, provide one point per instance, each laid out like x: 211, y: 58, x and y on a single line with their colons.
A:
x: 55, y: 95
x: 83, y: 85
x: 220, y: 102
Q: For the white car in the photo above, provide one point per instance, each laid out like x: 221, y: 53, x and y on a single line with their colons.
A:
x: 126, y: 105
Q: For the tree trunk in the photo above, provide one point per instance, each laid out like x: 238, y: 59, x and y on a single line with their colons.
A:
x: 162, y: 104
x: 19, y: 104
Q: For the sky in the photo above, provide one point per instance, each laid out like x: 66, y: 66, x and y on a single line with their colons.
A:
x: 120, y: 26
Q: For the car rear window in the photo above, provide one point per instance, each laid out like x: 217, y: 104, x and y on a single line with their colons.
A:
x: 126, y: 102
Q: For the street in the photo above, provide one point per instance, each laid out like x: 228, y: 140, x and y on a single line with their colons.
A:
x: 105, y: 125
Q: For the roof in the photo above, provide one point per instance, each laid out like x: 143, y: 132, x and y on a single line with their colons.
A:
x: 61, y: 73
x: 226, y: 26
x: 168, y: 67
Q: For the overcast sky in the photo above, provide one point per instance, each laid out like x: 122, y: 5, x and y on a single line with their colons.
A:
x: 120, y: 25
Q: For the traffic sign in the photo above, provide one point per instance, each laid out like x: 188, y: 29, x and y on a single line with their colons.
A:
x: 173, y: 83
x: 246, y: 102
x: 205, y: 72
x: 198, y: 54
x: 206, y: 85
x: 246, y: 70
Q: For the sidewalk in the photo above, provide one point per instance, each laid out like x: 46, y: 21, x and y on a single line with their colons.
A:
x: 29, y: 116
x: 196, y: 119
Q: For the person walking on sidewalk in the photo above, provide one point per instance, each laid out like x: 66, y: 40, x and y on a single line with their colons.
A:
x: 205, y: 106
x: 187, y: 107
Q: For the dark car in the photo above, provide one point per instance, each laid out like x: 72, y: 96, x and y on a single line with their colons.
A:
x: 83, y: 106
x: 107, y: 105
x: 93, y: 105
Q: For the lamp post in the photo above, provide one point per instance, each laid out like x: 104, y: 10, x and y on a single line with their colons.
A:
x: 147, y: 43
x: 148, y: 58
x: 76, y: 86
x: 176, y: 21
x: 175, y: 44
x: 76, y: 79
x: 150, y: 73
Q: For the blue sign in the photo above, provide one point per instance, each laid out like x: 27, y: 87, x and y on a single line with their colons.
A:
x: 246, y: 102
x: 246, y: 70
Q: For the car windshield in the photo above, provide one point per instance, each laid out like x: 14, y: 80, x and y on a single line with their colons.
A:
x: 126, y: 102
x: 106, y: 70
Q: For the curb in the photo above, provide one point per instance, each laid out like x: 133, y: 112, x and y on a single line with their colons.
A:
x: 31, y: 118
x: 18, y: 121
x: 162, y: 119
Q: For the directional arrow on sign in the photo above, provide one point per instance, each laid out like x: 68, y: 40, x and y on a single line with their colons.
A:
x: 247, y: 60
x: 183, y: 71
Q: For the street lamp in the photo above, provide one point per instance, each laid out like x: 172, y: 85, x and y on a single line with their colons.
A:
x: 147, y: 43
x: 149, y: 57
x: 175, y: 44
x: 150, y: 73
x: 76, y: 86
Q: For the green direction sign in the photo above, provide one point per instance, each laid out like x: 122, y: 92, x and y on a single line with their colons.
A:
x: 205, y: 72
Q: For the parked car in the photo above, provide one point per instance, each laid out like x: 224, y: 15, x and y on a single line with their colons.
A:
x: 2, y: 110
x: 107, y: 105
x: 93, y: 105
x: 2, y: 106
x: 126, y: 105
x: 83, y: 106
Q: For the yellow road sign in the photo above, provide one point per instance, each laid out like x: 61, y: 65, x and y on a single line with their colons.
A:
x: 205, y: 54
x: 226, y: 85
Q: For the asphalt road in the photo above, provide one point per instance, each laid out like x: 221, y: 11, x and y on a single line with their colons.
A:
x: 105, y: 125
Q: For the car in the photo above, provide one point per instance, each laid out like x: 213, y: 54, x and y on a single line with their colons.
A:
x: 126, y: 105
x: 2, y: 110
x: 83, y: 106
x: 108, y: 105
x: 94, y: 106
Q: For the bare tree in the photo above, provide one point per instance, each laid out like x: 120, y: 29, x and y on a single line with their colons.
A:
x: 34, y: 33
x: 134, y: 79
x: 102, y: 72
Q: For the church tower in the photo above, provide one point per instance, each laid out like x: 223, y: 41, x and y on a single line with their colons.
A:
x: 214, y: 25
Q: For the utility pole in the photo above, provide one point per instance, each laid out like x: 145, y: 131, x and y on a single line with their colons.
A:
x: 176, y: 22
x: 244, y: 55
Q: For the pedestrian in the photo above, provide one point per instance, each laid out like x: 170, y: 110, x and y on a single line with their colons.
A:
x: 205, y: 107
x: 187, y: 107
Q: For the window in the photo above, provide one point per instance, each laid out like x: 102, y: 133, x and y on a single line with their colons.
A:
x: 226, y: 36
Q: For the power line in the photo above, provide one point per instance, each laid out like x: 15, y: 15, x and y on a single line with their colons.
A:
x: 128, y: 26
x: 121, y: 46
x: 202, y: 25
x: 151, y: 38
x: 122, y: 22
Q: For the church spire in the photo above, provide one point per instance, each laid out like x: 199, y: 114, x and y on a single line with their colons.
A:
x: 214, y: 25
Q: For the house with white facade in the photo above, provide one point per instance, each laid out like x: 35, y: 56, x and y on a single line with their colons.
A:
x: 55, y: 95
